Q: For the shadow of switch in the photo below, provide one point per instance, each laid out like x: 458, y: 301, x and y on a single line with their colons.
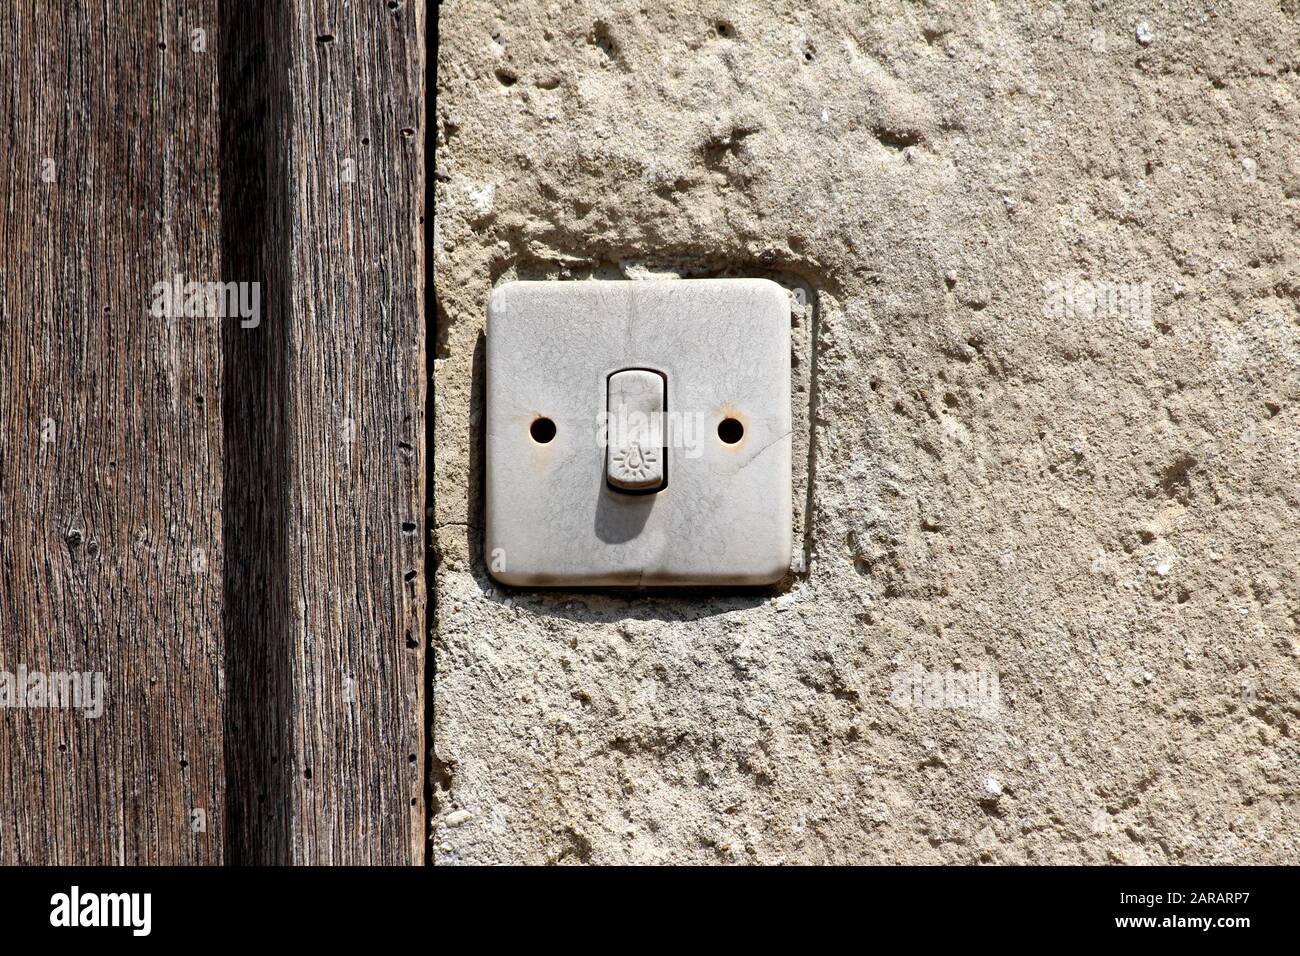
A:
x: 621, y: 517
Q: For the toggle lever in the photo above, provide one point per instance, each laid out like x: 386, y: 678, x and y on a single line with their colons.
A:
x: 635, y: 456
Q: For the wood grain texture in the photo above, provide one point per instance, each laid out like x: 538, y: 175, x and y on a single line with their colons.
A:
x: 356, y: 391
x: 326, y: 591
x: 111, y: 439
x: 226, y: 521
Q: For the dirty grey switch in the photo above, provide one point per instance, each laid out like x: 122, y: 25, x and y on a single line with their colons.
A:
x: 635, y: 456
x: 638, y: 433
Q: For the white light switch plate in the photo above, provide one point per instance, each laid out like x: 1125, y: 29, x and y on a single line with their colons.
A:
x: 720, y: 514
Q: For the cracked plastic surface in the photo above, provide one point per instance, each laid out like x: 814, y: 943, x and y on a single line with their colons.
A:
x: 723, y: 349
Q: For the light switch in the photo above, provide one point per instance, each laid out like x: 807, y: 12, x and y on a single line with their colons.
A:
x: 584, y: 487
x: 635, y: 456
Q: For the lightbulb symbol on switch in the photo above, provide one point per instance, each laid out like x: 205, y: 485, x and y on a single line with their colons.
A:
x: 634, y: 464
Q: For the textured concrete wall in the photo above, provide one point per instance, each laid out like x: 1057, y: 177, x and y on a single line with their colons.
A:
x: 1050, y: 383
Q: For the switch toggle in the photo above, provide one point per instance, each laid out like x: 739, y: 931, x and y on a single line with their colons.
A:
x: 635, y: 456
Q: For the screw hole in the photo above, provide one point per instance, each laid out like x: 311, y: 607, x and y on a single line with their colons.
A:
x: 542, y: 430
x: 730, y: 430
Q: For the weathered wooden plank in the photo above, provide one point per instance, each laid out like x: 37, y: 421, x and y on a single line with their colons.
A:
x: 355, y: 394
x: 327, y: 426
x: 114, y: 506
x: 110, y: 432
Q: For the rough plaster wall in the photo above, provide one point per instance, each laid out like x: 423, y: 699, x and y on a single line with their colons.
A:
x: 1094, y: 500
